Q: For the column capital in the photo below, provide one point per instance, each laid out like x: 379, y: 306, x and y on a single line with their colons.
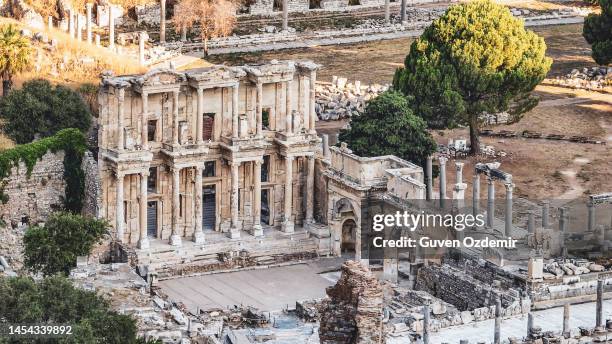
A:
x: 144, y: 94
x: 89, y: 5
x: 174, y: 169
x: 289, y: 157
x: 234, y: 163
x: 200, y: 90
x: 145, y: 173
x: 459, y: 165
x: 120, y: 174
x: 509, y: 186
x: 258, y: 162
x: 442, y: 160
x: 121, y: 94
x: 490, y: 179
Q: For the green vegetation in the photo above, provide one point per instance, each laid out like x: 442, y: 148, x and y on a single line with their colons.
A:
x: 15, y: 55
x: 40, y: 109
x: 597, y: 30
x: 71, y: 141
x: 54, y: 300
x: 388, y: 127
x: 476, y: 58
x: 54, y: 248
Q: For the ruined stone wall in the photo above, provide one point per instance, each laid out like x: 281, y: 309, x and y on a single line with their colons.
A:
x: 92, y: 199
x: 354, y: 311
x: 148, y: 14
x: 262, y: 7
x: 481, y: 270
x: 298, y: 5
x: 332, y: 5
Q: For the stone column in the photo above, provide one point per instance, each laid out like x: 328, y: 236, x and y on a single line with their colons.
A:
x: 234, y: 232
x: 175, y: 238
x: 529, y: 324
x: 235, y: 111
x: 310, y: 190
x: 426, y: 324
x: 120, y: 114
x: 288, y: 205
x: 442, y: 161
x: 530, y: 223
x: 387, y: 11
x: 566, y: 317
x: 562, y: 222
x: 429, y: 177
x: 198, y: 234
x: 508, y: 217
x: 476, y: 194
x: 257, y: 229
x: 79, y: 26
x: 599, y: 320
x: 144, y: 132
x: 120, y: 211
x: 70, y: 22
x: 259, y: 117
x: 404, y: 3
x: 50, y: 22
x: 285, y: 15
x: 162, y: 21
x: 199, y: 119
x: 175, y: 118
x: 143, y: 243
x: 111, y: 28
x: 545, y: 213
x: 490, y: 201
x: 141, y: 47
x: 497, y: 332
x: 88, y: 7
x: 312, y: 108
x: 590, y: 216
x: 460, y: 186
x: 288, y: 108
x: 325, y: 143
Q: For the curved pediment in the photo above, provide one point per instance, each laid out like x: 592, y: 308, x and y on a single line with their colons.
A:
x: 157, y: 77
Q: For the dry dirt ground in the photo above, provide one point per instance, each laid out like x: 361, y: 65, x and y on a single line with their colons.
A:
x: 541, y: 169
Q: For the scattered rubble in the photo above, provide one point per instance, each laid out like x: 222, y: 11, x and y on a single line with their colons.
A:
x: 592, y: 79
x: 340, y: 99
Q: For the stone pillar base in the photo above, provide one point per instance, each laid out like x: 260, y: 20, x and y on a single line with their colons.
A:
x: 257, y: 231
x: 175, y: 240
x: 234, y: 233
x: 143, y: 244
x: 198, y: 237
x: 288, y: 227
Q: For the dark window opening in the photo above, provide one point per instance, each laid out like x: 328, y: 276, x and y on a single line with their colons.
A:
x: 265, y: 118
x: 265, y: 169
x: 209, y: 169
x: 314, y: 4
x: 152, y: 180
x: 208, y: 126
x: 125, y: 211
x: 354, y: 2
x: 151, y: 131
x: 277, y: 5
x: 181, y: 205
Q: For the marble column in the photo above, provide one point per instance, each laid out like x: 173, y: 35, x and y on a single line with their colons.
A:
x: 310, y: 190
x: 476, y: 194
x: 490, y: 201
x: 288, y: 108
x: 175, y: 238
x: 120, y: 224
x: 599, y: 319
x: 387, y: 11
x: 111, y: 28
x: 198, y: 233
x: 285, y: 15
x: 460, y: 186
x: 429, y: 177
x: 162, y: 21
x: 442, y: 161
x: 144, y: 124
x: 50, y: 23
x: 325, y: 143
x: 545, y: 214
x: 235, y: 111
x: 175, y: 118
x: 312, y: 107
x: 70, y: 15
x: 259, y: 115
x: 143, y: 243
x: 88, y: 25
x: 566, y: 318
x: 404, y: 4
x: 199, y: 130
x: 120, y: 114
x: 78, y: 27
x: 234, y: 232
x: 497, y: 331
x: 288, y: 225
x: 508, y: 216
x: 257, y: 229
x: 590, y: 216
x: 142, y: 37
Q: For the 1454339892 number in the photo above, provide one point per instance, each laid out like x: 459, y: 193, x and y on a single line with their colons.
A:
x: 35, y: 330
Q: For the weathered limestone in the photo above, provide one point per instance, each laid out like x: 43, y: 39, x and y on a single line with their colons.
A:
x: 599, y: 319
x: 88, y: 9
x: 285, y: 15
x: 142, y: 38
x: 490, y: 201
x: 497, y: 331
x: 234, y: 230
x: 545, y: 214
x: 198, y: 234
x: 590, y: 216
x: 460, y: 186
x: 442, y: 161
x: 310, y: 190
x: 70, y: 13
x: 566, y: 319
x: 79, y: 27
x: 354, y: 311
x: 426, y: 315
x: 162, y: 21
x: 257, y: 229
x: 325, y: 143
x: 530, y: 223
x: 120, y: 221
x: 508, y: 215
x: 49, y: 23
x: 476, y: 195
x: 288, y: 223
x: 143, y: 242
x: 175, y: 237
x: 111, y: 28
x: 429, y: 177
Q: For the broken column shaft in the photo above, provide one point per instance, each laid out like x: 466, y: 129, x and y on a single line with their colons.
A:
x: 529, y: 324
x: 497, y: 334
x: 599, y: 305
x: 426, y: 324
x: 566, y: 314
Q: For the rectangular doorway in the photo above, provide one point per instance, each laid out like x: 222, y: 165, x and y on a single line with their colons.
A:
x: 265, y: 206
x: 152, y: 219
x: 209, y: 214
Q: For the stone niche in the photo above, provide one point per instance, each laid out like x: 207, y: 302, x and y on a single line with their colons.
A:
x: 353, y: 312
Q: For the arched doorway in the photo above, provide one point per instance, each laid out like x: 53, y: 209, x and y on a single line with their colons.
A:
x: 349, y: 237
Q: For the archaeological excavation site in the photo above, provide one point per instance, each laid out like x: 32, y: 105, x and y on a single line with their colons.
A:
x: 306, y: 171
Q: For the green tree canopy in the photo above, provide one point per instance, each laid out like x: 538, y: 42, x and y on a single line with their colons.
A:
x: 388, y: 126
x: 597, y: 30
x: 475, y: 58
x: 15, y: 55
x: 41, y: 109
x: 54, y: 300
x: 54, y: 248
